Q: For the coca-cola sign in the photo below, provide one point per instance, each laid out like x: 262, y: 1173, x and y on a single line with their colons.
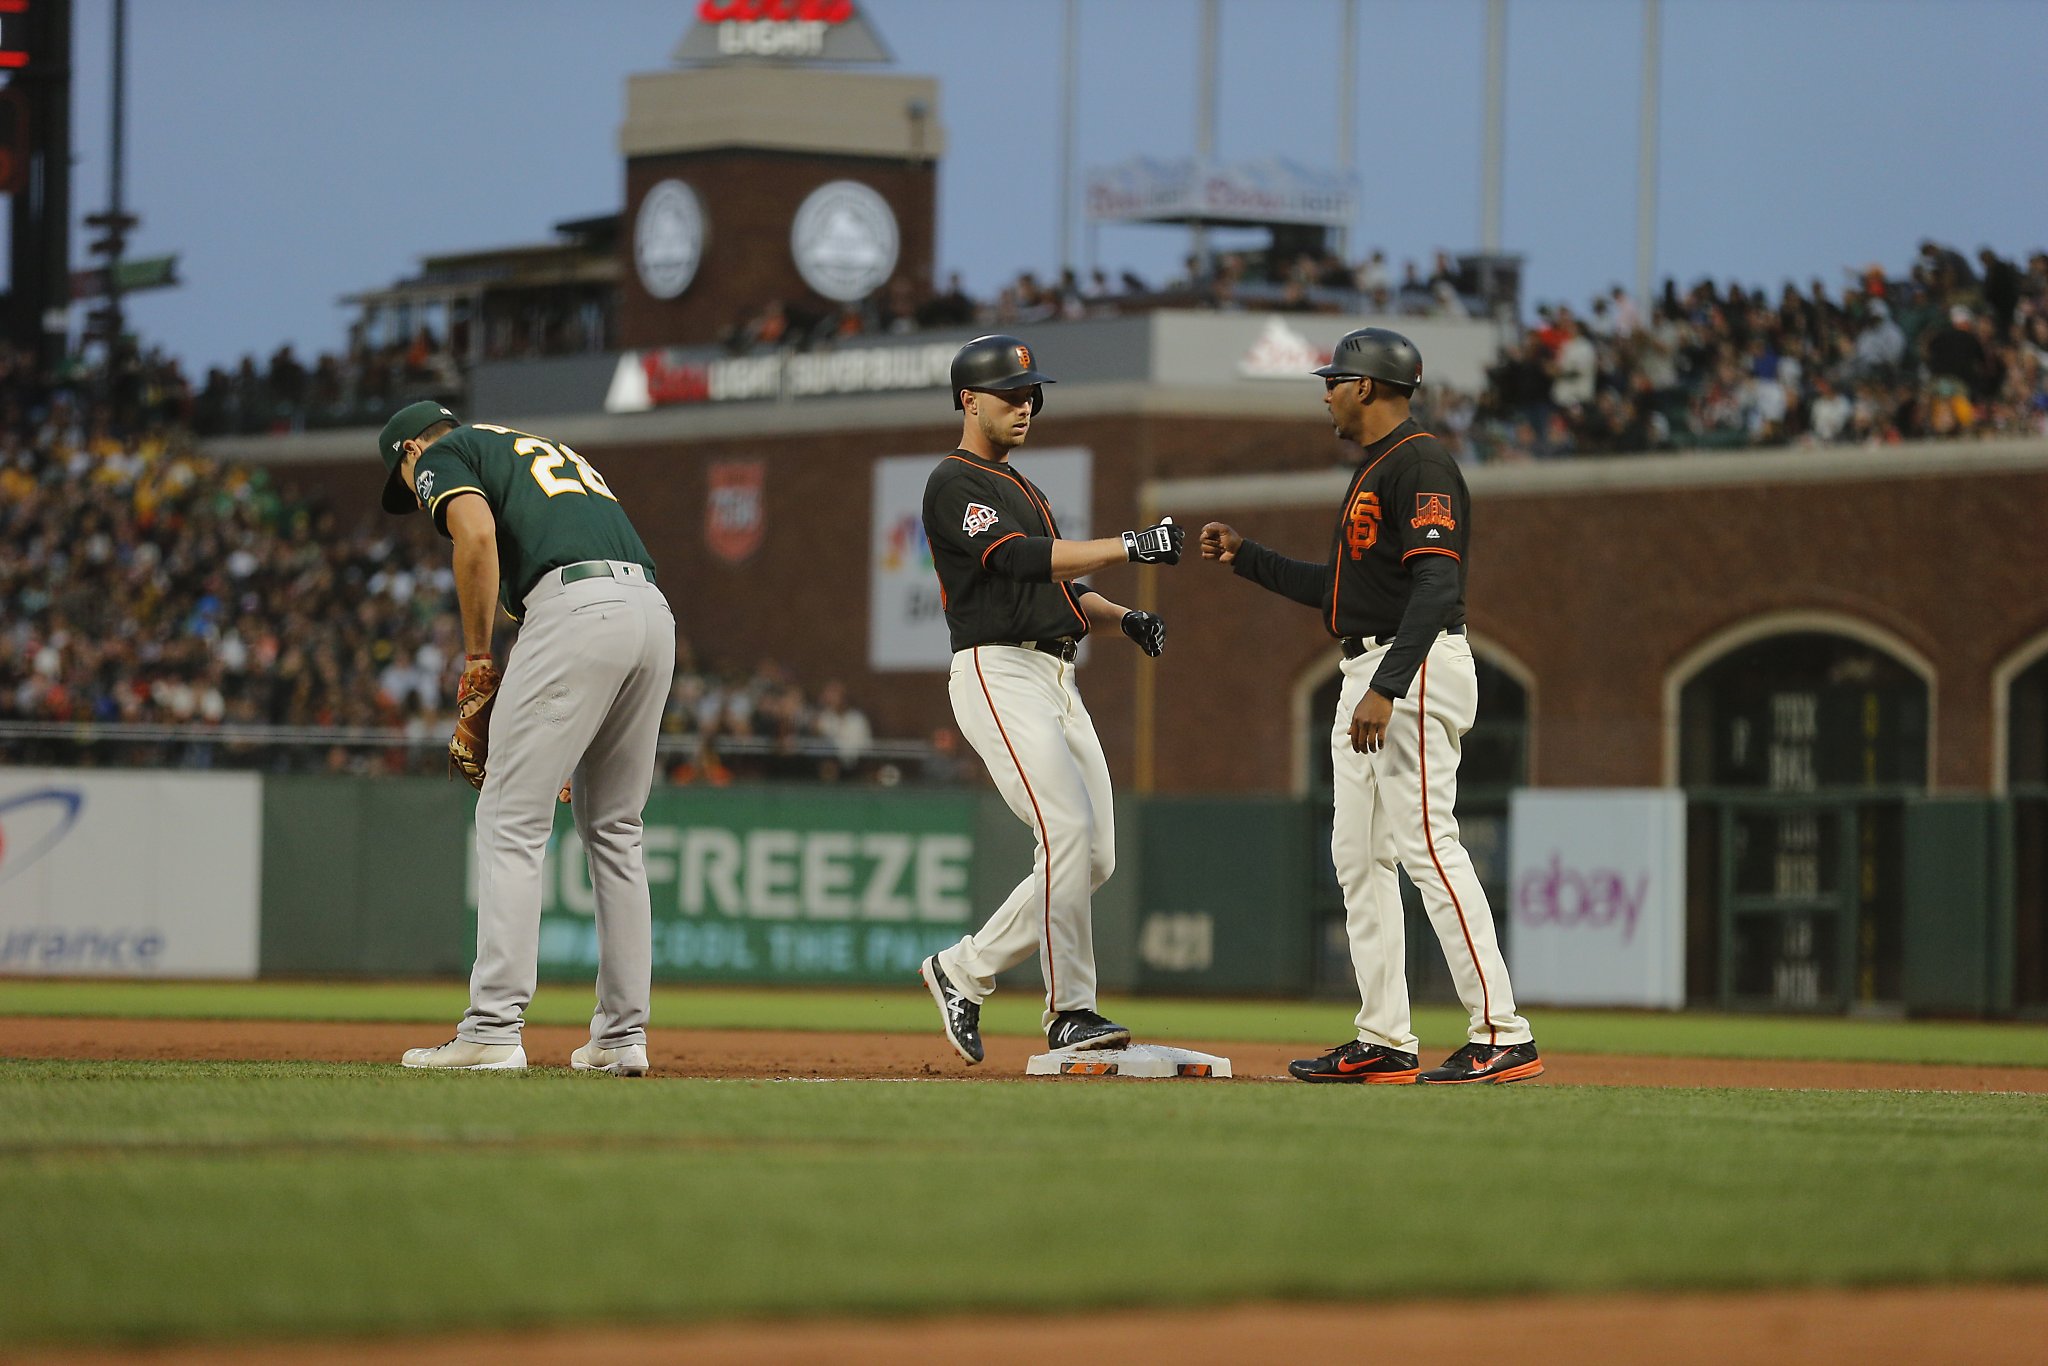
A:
x: 830, y: 31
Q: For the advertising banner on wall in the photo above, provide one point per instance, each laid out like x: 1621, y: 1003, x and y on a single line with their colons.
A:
x: 129, y: 874
x: 906, y: 620
x: 1597, y: 896
x: 642, y: 380
x: 770, y: 886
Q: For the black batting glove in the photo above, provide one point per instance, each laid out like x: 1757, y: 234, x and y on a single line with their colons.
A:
x: 1155, y: 544
x: 1147, y: 629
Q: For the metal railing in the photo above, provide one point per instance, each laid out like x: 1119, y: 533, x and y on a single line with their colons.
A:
x: 302, y: 749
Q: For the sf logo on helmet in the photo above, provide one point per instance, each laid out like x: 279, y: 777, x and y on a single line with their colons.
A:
x: 1023, y: 358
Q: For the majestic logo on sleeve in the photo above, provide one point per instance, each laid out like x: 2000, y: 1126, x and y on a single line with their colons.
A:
x: 425, y: 485
x: 1362, y: 524
x: 979, y: 519
x: 1433, y: 510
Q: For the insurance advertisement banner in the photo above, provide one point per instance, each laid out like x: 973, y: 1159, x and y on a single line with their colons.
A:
x: 1597, y: 891
x: 906, y: 619
x: 129, y: 874
x: 760, y: 885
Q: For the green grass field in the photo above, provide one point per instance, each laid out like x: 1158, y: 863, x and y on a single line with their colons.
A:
x: 208, y: 1201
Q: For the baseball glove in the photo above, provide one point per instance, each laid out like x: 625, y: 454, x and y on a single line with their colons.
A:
x: 471, y: 742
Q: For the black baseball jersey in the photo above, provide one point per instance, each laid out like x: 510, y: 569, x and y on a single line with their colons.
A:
x: 551, y: 507
x: 991, y: 533
x: 1407, y: 499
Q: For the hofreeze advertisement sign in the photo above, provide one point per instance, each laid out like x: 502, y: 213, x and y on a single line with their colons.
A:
x: 768, y: 886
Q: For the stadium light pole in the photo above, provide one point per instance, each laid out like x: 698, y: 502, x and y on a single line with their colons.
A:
x: 1205, y: 119
x: 1646, y: 155
x: 117, y: 179
x: 1496, y: 126
x: 1347, y: 121
x: 1069, y: 73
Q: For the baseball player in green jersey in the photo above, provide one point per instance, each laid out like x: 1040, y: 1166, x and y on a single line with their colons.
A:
x: 581, y: 697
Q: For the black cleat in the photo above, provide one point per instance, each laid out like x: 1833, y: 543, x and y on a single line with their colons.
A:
x: 960, y: 1017
x: 1085, y: 1029
x: 1479, y: 1062
x: 1358, y: 1061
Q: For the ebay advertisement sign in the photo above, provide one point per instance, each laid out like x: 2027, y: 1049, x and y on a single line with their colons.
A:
x: 1596, y: 895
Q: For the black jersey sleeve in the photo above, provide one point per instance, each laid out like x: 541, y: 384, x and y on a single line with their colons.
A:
x: 971, y: 519
x: 1428, y: 508
x: 1027, y: 559
x: 1432, y: 593
x: 1300, y: 580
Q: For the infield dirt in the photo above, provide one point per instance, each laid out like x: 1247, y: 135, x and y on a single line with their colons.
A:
x: 776, y: 1054
x: 1965, y: 1326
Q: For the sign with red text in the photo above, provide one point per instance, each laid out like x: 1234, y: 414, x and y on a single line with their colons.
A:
x: 826, y: 31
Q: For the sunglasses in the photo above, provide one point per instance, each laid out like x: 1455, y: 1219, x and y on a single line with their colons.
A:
x: 1331, y: 382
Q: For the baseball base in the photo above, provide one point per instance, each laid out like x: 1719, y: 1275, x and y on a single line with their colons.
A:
x: 1138, y: 1060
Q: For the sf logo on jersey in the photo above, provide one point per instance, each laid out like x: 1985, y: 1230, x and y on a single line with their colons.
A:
x: 979, y: 519
x: 1362, y: 524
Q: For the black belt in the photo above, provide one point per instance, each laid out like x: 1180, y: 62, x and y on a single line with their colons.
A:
x: 1354, y: 646
x: 1059, y: 647
x: 595, y: 569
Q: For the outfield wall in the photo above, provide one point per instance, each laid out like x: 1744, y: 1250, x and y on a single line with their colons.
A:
x: 1929, y: 905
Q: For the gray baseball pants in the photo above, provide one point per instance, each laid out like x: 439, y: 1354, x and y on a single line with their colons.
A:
x: 582, y: 698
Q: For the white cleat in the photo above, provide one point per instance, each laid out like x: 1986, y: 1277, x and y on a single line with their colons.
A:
x: 462, y: 1055
x: 629, y: 1061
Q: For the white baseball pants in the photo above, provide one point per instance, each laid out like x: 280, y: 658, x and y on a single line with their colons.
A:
x: 1396, y: 807
x: 583, y: 696
x: 1021, y: 712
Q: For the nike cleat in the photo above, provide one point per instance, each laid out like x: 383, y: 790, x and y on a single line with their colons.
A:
x: 1358, y: 1061
x: 1479, y: 1062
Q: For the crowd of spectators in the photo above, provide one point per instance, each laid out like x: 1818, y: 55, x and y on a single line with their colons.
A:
x: 357, y: 389
x: 1947, y: 349
x: 1303, y: 282
x: 147, y: 586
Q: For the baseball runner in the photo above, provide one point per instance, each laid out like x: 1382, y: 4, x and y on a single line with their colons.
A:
x: 582, y: 696
x: 1393, y: 593
x: 1016, y: 609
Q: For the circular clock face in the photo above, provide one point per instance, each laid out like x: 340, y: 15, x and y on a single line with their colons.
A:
x: 844, y: 240
x: 668, y: 239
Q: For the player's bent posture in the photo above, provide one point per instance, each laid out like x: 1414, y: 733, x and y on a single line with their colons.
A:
x: 1393, y: 593
x: 581, y: 698
x: 1016, y: 609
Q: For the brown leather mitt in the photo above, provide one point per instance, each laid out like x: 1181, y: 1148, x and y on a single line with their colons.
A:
x: 471, y: 742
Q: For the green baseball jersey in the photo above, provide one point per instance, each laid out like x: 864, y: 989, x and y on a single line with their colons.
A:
x: 552, y: 508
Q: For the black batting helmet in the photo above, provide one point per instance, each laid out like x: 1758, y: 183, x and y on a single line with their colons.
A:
x: 998, y: 361
x: 1375, y: 353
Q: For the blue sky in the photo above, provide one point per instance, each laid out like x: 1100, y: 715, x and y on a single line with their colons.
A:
x: 291, y: 151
